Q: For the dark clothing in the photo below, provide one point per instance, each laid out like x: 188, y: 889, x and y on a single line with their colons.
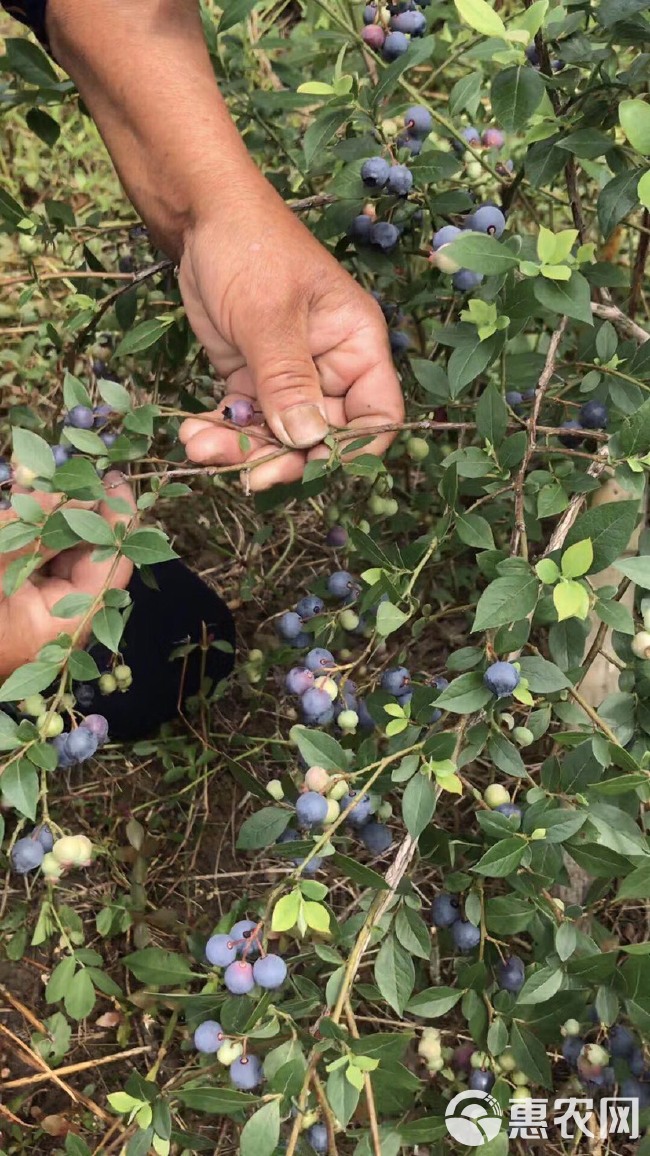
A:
x: 31, y: 12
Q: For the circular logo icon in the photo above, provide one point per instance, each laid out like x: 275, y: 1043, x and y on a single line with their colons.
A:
x: 473, y: 1118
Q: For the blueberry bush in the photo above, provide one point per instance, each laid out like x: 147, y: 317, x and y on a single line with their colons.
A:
x: 405, y: 853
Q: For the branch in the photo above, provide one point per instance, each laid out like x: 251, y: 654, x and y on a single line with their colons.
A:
x: 621, y: 322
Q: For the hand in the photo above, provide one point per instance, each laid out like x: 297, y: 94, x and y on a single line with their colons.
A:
x: 289, y: 329
x: 26, y: 621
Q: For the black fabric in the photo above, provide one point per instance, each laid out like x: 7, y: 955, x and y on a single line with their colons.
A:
x: 162, y: 620
x: 30, y: 12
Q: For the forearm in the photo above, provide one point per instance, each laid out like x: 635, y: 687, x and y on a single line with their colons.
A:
x: 143, y: 70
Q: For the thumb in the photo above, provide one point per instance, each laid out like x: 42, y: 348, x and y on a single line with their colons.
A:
x: 287, y: 383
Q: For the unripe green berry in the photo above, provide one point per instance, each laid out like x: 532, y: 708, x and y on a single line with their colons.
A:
x: 49, y: 724
x: 417, y: 449
x: 523, y: 736
x: 474, y: 170
x: 538, y: 834
x: 641, y: 644
x: 122, y: 672
x: 333, y: 812
x: 229, y: 1052
x: 480, y: 1060
x: 391, y: 506
x: 570, y: 1028
x: 384, y: 810
x: 595, y: 1055
x: 338, y: 790
x: 364, y: 526
x: 348, y: 619
x: 51, y: 868
x: 495, y: 795
x: 308, y: 1119
x: 522, y: 1093
x: 376, y: 504
x: 519, y: 1079
x: 107, y: 684
x: 255, y: 656
x: 348, y: 720
x: 507, y: 1061
x: 34, y: 705
x: 436, y: 1065
x: 275, y: 790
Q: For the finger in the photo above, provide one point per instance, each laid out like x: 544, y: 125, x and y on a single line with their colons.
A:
x: 286, y: 379
x: 287, y: 467
x: 375, y: 400
x: 49, y: 504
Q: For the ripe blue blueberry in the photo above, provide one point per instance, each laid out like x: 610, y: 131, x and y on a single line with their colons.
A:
x: 45, y: 837
x: 445, y: 910
x: 621, y: 1043
x: 108, y: 438
x: 465, y: 280
x: 399, y: 341
x: 396, y: 681
x: 98, y: 726
x: 99, y: 368
x: 510, y: 810
x: 466, y: 936
x: 245, y: 935
x: 512, y: 974
x: 481, y: 1080
x: 533, y: 55
x: 81, y: 744
x: 220, y: 950
x: 270, y: 972
x: 374, y: 172
x: 514, y: 399
x: 240, y: 412
x: 315, y: 702
x: 571, y: 440
x: 384, y: 234
x: 246, y: 1073
x: 310, y: 606
x: 319, y: 660
x: 395, y: 45
x: 418, y: 120
x: 289, y: 625
x: 470, y: 135
x: 337, y: 537
x: 5, y: 471
x: 209, y: 1037
x: 311, y: 809
x: 376, y: 837
x: 571, y: 1049
x: 61, y: 455
x: 636, y: 1090
x: 365, y: 718
x: 487, y: 219
x: 80, y: 416
x: 60, y: 744
x: 444, y: 236
x: 361, y: 812
x: 102, y: 414
x: 412, y: 143
x: 301, y: 640
x: 529, y: 394
x: 501, y: 678
x: 26, y: 855
x: 341, y: 584
x: 317, y: 1137
x: 593, y: 415
x: 238, y: 977
x: 298, y: 680
x: 414, y: 23
x: 370, y: 14
x: 359, y: 229
x: 400, y: 181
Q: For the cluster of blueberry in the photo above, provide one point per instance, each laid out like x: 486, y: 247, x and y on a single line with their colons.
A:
x: 381, y: 176
x: 387, y: 29
x: 533, y: 56
x: 488, y: 219
x: 54, y: 857
x: 320, y: 803
x: 101, y: 352
x: 593, y: 415
x: 593, y: 1061
x: 465, y: 1066
x: 489, y: 138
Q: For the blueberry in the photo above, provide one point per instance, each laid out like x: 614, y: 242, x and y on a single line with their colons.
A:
x: 375, y: 837
x: 311, y: 809
x: 510, y: 810
x: 444, y: 236
x: 395, y: 45
x: 466, y: 936
x: 593, y: 415
x: 464, y: 280
x: 238, y: 977
x: 5, y: 471
x: 319, y: 660
x: 374, y: 172
x: 370, y: 14
x: 414, y: 146
x: 298, y: 680
x: 361, y: 812
x: 441, y: 683
x: 289, y: 625
x: 384, y: 235
x: 514, y: 399
x: 337, y: 537
x: 26, y: 855
x: 636, y: 1090
x: 418, y: 120
x: 360, y: 229
x: 396, y: 681
x: 571, y: 440
x: 80, y: 744
x: 99, y: 368
x: 571, y: 1049
x: 318, y: 1138
x: 493, y: 138
x: 487, y: 219
x: 242, y: 935
x: 80, y: 416
x: 445, y: 910
x: 621, y: 1043
x: 220, y: 950
x: 126, y: 264
x: 529, y: 394
x: 374, y: 37
x: 365, y: 718
x: 636, y: 1062
x: 470, y: 135
x: 511, y: 974
x: 309, y: 607
x: 558, y: 65
x: 102, y: 414
x: 501, y: 678
x: 60, y: 744
x: 301, y: 640
x: 246, y: 1073
x: 481, y: 1080
x: 341, y: 584
x: 413, y: 23
x: 314, y: 865
x: 108, y: 438
x: 400, y: 181
x: 61, y: 455
x: 315, y: 702
x: 84, y: 694
x: 240, y: 412
x: 209, y: 1037
x: 399, y: 341
x: 270, y: 972
x: 98, y: 726
x: 533, y: 55
x: 45, y: 837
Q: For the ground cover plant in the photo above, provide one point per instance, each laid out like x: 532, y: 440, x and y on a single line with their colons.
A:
x: 404, y: 853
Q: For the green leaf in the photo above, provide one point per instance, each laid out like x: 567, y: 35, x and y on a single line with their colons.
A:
x: 572, y: 297
x: 481, y: 17
x: 481, y: 253
x: 263, y: 828
x: 162, y: 968
x: 609, y: 528
x: 358, y: 872
x: 234, y: 11
x: 85, y: 441
x: 394, y: 974
x: 475, y: 531
x: 32, y: 451
x: 145, y: 335
x: 389, y: 618
x: 418, y: 804
x: 470, y: 358
x: 145, y: 547
x: 643, y: 190
x: 261, y: 1132
x: 530, y: 1055
x: 286, y: 911
x: 433, y: 1002
x: 465, y: 694
x: 491, y: 416
x: 216, y: 1101
x: 578, y: 559
x: 322, y: 129
x: 502, y: 859
x: 89, y: 527
x: 72, y: 605
x: 506, y: 600
x: 341, y: 1096
x: 637, y: 884
x: 79, y: 998
x: 107, y: 627
x: 616, y: 199
x: 418, y: 52
x: 543, y: 677
x: 571, y: 600
x: 20, y: 788
x: 633, y: 436
x: 60, y: 979
x: 319, y: 749
x: 115, y: 395
x: 540, y: 986
x: 638, y: 569
x: 412, y: 932
x: 634, y: 116
x: 28, y: 679
x: 515, y: 95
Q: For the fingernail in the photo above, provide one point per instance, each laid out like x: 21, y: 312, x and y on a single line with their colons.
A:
x: 113, y: 478
x: 304, y: 425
